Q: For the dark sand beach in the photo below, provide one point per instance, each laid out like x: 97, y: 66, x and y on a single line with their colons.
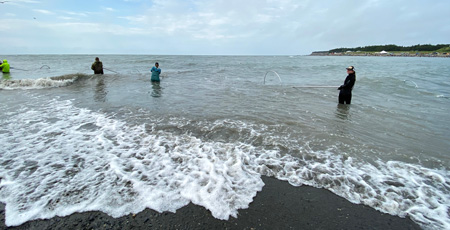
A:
x: 278, y: 206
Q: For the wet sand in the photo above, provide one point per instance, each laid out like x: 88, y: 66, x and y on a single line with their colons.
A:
x: 278, y: 206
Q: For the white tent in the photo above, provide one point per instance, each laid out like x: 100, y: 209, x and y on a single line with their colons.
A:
x: 383, y: 52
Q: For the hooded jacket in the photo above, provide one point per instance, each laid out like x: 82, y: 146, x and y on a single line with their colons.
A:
x: 5, y: 66
x: 97, y: 66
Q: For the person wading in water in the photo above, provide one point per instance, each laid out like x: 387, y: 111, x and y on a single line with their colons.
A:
x: 5, y: 66
x: 345, y: 94
x: 156, y: 71
x: 97, y: 66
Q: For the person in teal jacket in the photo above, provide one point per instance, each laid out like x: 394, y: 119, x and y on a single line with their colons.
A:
x: 156, y: 71
x: 5, y: 66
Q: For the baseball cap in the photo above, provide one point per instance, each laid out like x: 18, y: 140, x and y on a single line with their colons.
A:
x: 351, y: 68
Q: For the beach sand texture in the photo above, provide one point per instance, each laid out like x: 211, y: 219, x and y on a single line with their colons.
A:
x: 278, y: 206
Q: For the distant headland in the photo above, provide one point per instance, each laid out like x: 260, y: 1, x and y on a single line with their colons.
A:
x: 440, y: 50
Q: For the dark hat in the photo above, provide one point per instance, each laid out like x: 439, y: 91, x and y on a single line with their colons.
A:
x: 351, y: 68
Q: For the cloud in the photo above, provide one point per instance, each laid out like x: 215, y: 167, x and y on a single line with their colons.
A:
x: 27, y: 1
x: 224, y: 19
x: 66, y: 18
x: 232, y: 26
x: 43, y: 11
x: 109, y: 9
x: 138, y: 18
x: 19, y: 2
x: 80, y: 14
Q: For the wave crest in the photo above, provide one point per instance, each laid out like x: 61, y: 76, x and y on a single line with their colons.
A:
x: 41, y: 83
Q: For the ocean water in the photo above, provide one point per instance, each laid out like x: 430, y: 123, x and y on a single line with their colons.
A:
x: 72, y: 142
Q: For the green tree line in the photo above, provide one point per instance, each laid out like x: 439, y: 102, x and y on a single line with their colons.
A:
x: 388, y: 48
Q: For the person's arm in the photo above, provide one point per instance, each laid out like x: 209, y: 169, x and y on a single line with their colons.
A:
x: 92, y: 66
x: 342, y: 86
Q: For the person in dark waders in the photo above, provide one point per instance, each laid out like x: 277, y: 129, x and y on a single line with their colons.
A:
x: 97, y: 66
x: 345, y: 94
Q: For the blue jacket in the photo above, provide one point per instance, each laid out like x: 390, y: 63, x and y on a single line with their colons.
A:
x: 155, y: 73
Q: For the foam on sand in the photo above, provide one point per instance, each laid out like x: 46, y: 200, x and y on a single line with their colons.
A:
x: 58, y: 159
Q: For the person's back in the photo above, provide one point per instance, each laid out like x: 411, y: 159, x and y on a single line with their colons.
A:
x: 97, y: 66
x: 155, y: 73
x: 5, y: 66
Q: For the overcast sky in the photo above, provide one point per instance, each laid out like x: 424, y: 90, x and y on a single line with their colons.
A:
x: 218, y: 27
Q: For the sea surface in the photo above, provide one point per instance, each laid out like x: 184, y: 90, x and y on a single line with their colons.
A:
x: 72, y: 142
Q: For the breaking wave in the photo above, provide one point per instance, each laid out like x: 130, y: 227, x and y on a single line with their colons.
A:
x: 58, y: 159
x: 42, y: 83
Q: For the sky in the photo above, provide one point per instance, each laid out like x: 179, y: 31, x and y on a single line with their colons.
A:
x: 217, y: 27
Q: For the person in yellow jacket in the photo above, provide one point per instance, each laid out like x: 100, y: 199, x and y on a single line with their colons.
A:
x: 5, y: 66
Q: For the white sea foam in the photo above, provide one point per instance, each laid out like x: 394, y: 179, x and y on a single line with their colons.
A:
x: 34, y: 83
x: 58, y: 159
x: 41, y: 83
x: 442, y: 96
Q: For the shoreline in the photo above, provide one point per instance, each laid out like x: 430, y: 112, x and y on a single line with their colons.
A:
x: 377, y: 55
x: 278, y: 206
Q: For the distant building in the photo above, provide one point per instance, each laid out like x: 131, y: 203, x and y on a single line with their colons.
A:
x: 320, y: 53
